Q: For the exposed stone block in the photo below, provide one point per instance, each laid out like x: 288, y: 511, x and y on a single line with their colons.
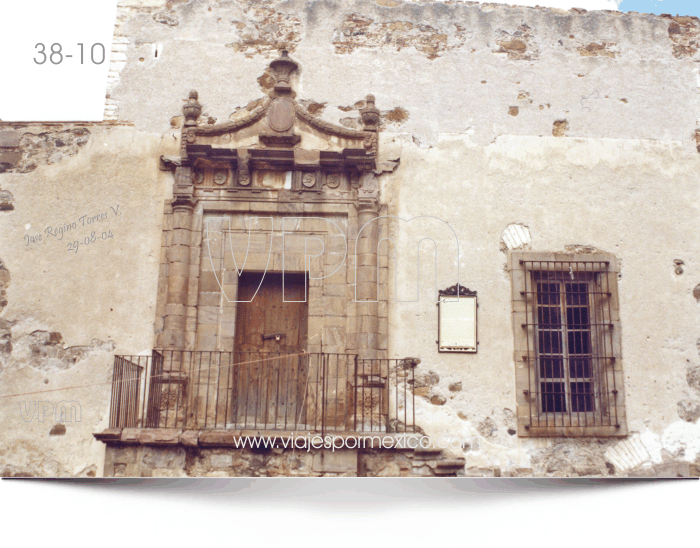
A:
x: 9, y: 138
x: 344, y: 460
x: 672, y: 470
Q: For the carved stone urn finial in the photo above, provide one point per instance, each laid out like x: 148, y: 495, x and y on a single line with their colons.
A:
x: 192, y: 109
x: 283, y: 67
x: 370, y: 114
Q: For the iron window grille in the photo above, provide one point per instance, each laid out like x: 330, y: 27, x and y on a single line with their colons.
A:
x: 569, y: 377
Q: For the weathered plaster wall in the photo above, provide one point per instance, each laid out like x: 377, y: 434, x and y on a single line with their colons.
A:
x: 67, y: 312
x: 450, y: 67
x: 625, y: 197
x: 580, y: 126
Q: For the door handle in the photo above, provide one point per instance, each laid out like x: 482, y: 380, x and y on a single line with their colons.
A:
x: 276, y: 336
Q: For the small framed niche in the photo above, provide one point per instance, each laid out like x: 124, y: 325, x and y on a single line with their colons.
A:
x: 457, y: 315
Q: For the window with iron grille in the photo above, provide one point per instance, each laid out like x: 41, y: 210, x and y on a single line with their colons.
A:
x: 567, y: 344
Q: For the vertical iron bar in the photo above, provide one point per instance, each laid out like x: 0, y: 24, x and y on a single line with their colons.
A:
x: 323, y: 394
x: 242, y: 359
x: 277, y: 396
x: 218, y: 382
x: 229, y: 372
x: 601, y: 337
x: 180, y: 386
x: 354, y: 403
x: 112, y: 405
x: 190, y: 387
x: 167, y: 398
x: 258, y: 374
x: 206, y: 404
x: 608, y: 330
x: 197, y: 398
x: 531, y: 298
x: 336, y: 390
x: 413, y: 396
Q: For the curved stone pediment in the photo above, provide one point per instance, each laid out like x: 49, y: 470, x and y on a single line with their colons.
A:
x: 280, y: 122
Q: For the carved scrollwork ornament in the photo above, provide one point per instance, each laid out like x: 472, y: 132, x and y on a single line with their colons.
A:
x: 371, y: 143
x: 457, y: 290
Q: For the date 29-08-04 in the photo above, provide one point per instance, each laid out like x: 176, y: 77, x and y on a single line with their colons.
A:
x: 91, y: 239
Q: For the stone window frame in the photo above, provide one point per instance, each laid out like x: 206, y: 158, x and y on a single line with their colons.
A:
x: 532, y: 421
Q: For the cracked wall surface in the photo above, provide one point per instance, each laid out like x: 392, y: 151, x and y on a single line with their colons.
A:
x: 523, y: 128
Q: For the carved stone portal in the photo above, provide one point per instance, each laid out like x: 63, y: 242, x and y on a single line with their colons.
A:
x: 255, y: 176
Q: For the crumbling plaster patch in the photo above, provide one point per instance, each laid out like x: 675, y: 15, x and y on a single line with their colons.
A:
x: 48, y: 145
x: 359, y: 31
x: 684, y: 32
x: 43, y: 350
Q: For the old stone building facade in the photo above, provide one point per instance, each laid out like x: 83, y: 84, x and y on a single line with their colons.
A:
x: 466, y: 229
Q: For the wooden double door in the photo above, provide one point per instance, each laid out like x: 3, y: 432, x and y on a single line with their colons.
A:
x: 270, y: 375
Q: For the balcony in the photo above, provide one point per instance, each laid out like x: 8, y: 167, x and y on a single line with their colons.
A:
x: 261, y: 392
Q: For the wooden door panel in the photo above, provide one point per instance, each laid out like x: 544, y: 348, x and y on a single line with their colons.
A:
x: 268, y: 389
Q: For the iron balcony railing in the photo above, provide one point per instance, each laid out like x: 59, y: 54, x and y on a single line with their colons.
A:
x: 317, y: 392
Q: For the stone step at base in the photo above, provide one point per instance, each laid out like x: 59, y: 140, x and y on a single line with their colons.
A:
x: 427, y: 454
x: 451, y: 463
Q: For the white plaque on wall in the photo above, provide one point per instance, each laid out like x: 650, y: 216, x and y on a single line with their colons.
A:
x: 457, y: 323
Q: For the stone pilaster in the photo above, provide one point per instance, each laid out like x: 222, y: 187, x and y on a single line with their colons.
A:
x: 366, y: 267
x: 179, y: 262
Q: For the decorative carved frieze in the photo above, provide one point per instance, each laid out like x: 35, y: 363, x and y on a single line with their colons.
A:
x: 284, y: 141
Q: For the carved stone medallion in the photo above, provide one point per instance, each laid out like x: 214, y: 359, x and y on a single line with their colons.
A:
x: 333, y: 180
x: 199, y: 178
x: 281, y: 114
x: 243, y: 178
x: 308, y: 180
x: 220, y: 177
